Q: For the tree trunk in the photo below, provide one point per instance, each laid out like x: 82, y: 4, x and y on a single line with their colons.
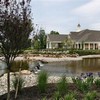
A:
x: 18, y: 83
x: 8, y: 83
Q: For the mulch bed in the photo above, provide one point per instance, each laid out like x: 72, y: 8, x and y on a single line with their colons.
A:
x: 32, y: 93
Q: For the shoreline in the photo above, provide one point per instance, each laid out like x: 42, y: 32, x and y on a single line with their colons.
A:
x: 54, y: 59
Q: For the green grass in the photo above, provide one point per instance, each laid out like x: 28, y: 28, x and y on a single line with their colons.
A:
x: 42, y: 81
x: 62, y: 85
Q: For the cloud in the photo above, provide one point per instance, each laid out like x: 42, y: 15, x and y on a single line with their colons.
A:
x: 64, y: 15
x: 52, y: 0
x: 95, y: 26
x: 62, y: 25
x: 91, y: 8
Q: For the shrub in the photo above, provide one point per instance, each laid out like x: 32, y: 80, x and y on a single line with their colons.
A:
x: 83, y: 85
x: 87, y: 52
x: 42, y: 81
x: 62, y: 85
x: 44, y: 98
x: 89, y: 81
x: 21, y: 83
x: 70, y: 96
x: 57, y: 96
x: 16, y: 65
x: 90, y: 96
x: 97, y: 82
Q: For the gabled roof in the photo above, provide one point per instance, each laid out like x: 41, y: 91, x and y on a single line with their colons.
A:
x: 86, y: 36
x: 54, y: 37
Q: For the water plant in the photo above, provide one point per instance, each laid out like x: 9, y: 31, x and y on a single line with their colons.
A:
x: 42, y: 81
x: 62, y: 85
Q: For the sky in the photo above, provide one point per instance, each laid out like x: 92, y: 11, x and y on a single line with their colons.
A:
x: 64, y: 15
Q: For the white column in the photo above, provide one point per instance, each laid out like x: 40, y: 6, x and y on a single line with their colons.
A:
x: 99, y: 46
x: 89, y: 46
x: 93, y: 46
x: 47, y: 45
x: 50, y: 45
x: 75, y: 46
x: 84, y: 46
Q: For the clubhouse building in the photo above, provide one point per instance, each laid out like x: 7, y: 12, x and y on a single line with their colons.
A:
x: 82, y: 39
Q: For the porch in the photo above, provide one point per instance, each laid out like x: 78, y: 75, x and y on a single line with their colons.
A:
x: 87, y: 46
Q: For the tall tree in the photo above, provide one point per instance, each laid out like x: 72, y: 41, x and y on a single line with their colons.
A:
x: 39, y: 40
x: 54, y: 32
x: 36, y: 42
x: 42, y: 38
x: 15, y: 28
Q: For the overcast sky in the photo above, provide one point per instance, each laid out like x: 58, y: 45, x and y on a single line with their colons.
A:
x: 64, y: 15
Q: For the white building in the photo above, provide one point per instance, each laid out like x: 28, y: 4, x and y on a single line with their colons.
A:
x: 83, y: 39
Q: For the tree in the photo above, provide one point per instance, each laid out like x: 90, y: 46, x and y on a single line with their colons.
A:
x: 42, y: 38
x: 28, y: 45
x: 15, y: 28
x: 39, y: 40
x: 68, y: 42
x: 37, y: 44
x: 54, y: 32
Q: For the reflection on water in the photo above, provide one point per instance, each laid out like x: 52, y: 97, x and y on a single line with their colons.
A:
x: 3, y: 67
x: 24, y: 65
x: 74, y: 67
x: 68, y: 68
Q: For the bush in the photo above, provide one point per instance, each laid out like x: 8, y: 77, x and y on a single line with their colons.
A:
x: 44, y: 98
x: 16, y: 65
x: 90, y: 96
x: 70, y: 96
x: 42, y: 81
x: 83, y: 85
x: 56, y: 96
x: 62, y: 86
x: 21, y: 83
x: 97, y: 82
x: 86, y: 52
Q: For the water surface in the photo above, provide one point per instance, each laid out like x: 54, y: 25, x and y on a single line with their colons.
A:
x: 68, y: 68
x: 71, y: 68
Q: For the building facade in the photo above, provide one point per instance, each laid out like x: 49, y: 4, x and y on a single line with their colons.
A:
x: 83, y: 39
x: 86, y: 39
x: 55, y: 41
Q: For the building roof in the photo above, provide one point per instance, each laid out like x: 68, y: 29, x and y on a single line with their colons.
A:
x: 86, y: 36
x: 54, y: 37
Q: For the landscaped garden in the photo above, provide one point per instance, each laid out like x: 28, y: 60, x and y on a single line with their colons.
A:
x: 84, y: 87
x: 16, y: 28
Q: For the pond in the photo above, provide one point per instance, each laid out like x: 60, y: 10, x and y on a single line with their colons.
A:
x: 68, y: 68
x: 73, y: 68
